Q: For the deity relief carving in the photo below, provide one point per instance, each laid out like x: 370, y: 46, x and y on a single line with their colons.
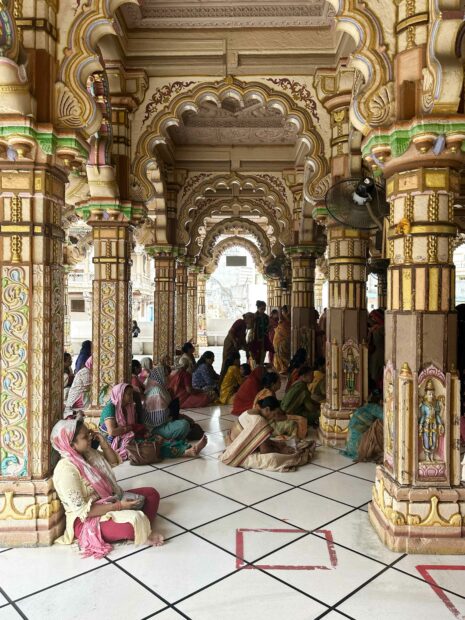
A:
x: 351, y: 374
x: 431, y: 429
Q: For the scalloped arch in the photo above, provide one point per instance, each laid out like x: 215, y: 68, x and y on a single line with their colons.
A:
x: 232, y: 242
x: 280, y: 234
x: 278, y: 211
x: 224, y: 227
x: 311, y: 143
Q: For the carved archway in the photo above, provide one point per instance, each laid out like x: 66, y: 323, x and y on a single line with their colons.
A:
x: 253, y: 190
x: 156, y: 135
x: 232, y: 242
x: 225, y: 227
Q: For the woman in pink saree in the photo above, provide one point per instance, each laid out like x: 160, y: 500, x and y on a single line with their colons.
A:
x: 97, y: 512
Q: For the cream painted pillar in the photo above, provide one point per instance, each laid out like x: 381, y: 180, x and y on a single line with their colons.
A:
x: 346, y: 333
x: 303, y: 313
x: 418, y: 500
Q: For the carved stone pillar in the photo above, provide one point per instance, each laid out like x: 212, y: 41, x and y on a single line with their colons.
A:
x: 181, y: 302
x: 67, y: 312
x: 164, y: 303
x: 346, y: 336
x: 202, y: 339
x: 32, y: 196
x: 111, y: 303
x: 192, y: 304
x: 31, y: 351
x: 418, y: 500
x: 303, y: 313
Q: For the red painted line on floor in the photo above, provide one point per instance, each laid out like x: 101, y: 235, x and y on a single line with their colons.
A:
x: 240, y: 562
x: 424, y: 569
x: 331, y: 548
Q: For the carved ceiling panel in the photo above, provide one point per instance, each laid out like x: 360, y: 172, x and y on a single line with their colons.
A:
x: 225, y: 14
x: 232, y: 124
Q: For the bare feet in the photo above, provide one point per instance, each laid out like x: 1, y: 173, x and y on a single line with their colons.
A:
x: 195, y: 450
x: 156, y: 540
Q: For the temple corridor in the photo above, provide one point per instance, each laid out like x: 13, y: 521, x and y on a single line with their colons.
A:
x: 249, y: 544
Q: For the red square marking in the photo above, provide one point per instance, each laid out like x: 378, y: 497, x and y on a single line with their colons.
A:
x: 424, y: 570
x: 240, y: 563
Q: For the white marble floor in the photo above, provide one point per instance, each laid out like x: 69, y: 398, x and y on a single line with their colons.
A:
x: 240, y: 545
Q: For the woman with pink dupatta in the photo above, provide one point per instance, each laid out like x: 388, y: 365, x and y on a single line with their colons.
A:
x: 118, y: 420
x: 97, y: 514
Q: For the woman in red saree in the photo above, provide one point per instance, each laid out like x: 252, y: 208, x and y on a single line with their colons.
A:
x: 180, y: 386
x: 245, y: 395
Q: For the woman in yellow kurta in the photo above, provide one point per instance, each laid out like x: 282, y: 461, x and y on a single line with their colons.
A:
x: 231, y: 379
x: 97, y: 511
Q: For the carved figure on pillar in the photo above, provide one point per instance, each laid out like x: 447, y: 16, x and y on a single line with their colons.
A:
x: 430, y: 424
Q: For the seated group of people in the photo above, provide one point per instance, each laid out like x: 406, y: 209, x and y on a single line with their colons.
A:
x: 267, y: 435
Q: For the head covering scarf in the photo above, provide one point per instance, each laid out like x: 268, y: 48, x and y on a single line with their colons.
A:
x: 157, y: 396
x: 119, y: 444
x: 90, y: 538
x: 245, y: 395
x: 84, y: 354
x: 146, y: 363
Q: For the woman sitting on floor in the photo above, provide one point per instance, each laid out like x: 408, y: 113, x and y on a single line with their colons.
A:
x: 271, y: 383
x: 299, y: 360
x: 84, y: 354
x: 79, y: 398
x: 365, y: 431
x: 159, y: 414
x: 230, y: 379
x: 137, y: 384
x: 187, y: 359
x: 97, y: 514
x: 118, y: 420
x: 245, y: 395
x: 147, y: 365
x: 180, y: 385
x: 250, y: 444
x: 298, y: 400
x: 204, y: 376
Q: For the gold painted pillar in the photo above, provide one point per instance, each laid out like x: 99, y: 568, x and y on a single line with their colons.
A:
x: 181, y: 301
x: 34, y: 165
x: 202, y: 340
x: 418, y: 500
x: 67, y: 311
x: 346, y: 333
x: 164, y: 301
x: 303, y: 313
x: 31, y: 349
x: 192, y: 304
x: 111, y: 302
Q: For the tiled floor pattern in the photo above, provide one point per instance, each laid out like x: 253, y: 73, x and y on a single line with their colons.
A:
x: 240, y: 545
